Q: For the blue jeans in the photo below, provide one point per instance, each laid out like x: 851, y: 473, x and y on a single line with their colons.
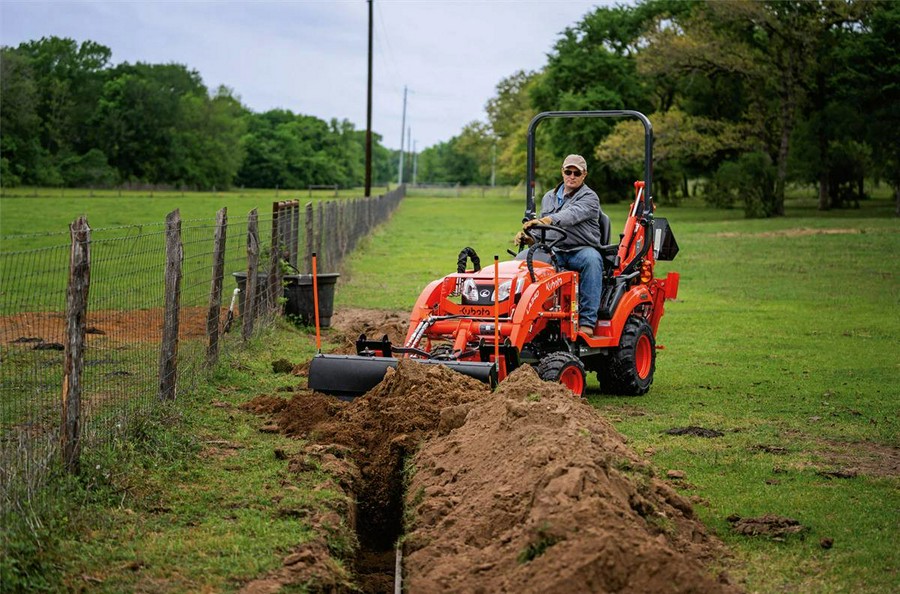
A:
x: 588, y: 263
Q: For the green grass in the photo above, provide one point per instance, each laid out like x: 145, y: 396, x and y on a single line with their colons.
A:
x: 41, y: 211
x: 194, y: 500
x: 782, y: 338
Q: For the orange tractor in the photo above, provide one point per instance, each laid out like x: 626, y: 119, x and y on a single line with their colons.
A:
x: 485, y: 322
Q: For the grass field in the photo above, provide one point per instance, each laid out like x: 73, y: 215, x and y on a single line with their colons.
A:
x: 36, y: 212
x: 784, y: 338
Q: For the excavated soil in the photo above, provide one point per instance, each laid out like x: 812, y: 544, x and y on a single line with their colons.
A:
x: 535, y: 492
x: 521, y: 490
x: 349, y: 323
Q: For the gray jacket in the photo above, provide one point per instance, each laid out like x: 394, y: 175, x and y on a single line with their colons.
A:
x: 578, y: 215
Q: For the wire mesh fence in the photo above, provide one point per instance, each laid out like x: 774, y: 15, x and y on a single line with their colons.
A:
x: 123, y: 360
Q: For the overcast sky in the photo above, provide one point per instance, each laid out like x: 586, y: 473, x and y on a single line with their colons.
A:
x: 310, y: 56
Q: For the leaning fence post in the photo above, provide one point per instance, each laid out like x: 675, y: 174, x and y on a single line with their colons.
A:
x: 215, y: 288
x: 76, y: 313
x: 168, y: 350
x: 310, y: 245
x: 295, y: 231
x: 249, y: 313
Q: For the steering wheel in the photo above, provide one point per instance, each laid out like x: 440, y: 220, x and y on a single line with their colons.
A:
x: 539, y: 234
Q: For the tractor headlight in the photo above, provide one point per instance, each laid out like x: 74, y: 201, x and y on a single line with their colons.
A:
x: 504, y: 290
x: 505, y: 287
x: 470, y: 290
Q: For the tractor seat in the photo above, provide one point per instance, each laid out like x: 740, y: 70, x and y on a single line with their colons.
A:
x: 612, y: 289
x: 607, y: 251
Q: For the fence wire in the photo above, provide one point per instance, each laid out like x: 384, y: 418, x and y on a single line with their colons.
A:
x: 125, y: 318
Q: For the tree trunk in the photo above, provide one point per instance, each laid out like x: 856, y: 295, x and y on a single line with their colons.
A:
x: 824, y: 198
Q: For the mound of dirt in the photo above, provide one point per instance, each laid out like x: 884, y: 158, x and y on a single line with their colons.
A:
x: 535, y: 492
x: 349, y: 323
x: 377, y: 431
x: 381, y: 428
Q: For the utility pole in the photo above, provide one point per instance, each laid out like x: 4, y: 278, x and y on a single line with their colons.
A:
x: 493, y: 164
x: 402, y: 136
x: 415, y: 162
x: 409, y: 143
x: 369, y: 113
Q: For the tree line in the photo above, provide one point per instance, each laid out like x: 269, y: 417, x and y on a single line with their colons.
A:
x: 745, y: 96
x: 70, y: 118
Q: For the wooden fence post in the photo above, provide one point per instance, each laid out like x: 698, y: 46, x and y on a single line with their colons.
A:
x: 275, y: 254
x: 295, y: 233
x: 310, y: 245
x: 249, y: 313
x: 215, y: 288
x: 168, y: 349
x: 320, y: 233
x: 279, y: 253
x: 76, y: 313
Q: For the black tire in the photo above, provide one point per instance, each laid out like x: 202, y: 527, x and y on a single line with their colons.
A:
x: 564, y: 368
x: 629, y: 369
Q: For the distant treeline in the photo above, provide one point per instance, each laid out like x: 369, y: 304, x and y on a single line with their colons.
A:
x: 744, y: 96
x: 69, y: 118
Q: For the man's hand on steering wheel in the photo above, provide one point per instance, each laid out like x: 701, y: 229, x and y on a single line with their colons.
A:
x: 533, y: 222
x: 535, y: 230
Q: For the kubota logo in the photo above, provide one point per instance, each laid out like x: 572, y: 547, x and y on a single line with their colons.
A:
x: 485, y: 293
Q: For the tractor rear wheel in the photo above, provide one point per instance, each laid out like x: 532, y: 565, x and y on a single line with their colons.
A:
x: 564, y: 368
x: 630, y: 368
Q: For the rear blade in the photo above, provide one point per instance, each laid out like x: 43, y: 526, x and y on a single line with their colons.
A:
x: 352, y: 375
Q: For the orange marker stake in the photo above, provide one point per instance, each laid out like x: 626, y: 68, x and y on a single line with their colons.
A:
x: 315, y: 282
x: 497, y: 315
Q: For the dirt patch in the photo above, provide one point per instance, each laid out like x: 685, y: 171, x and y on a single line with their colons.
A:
x: 862, y: 458
x: 694, y: 431
x: 537, y: 493
x: 796, y: 232
x: 848, y: 458
x: 138, y: 325
x: 776, y: 527
x: 349, y: 323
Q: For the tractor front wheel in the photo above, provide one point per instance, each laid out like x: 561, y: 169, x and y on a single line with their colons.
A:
x: 564, y: 368
x: 631, y: 366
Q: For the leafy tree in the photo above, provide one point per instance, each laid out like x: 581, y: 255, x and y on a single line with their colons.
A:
x: 19, y: 121
x: 682, y: 143
x: 206, y: 150
x: 767, y: 50
x: 68, y: 77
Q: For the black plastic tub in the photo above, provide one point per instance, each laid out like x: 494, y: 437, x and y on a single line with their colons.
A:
x: 298, y: 293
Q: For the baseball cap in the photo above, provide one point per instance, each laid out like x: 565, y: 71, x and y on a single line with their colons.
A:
x: 575, y: 161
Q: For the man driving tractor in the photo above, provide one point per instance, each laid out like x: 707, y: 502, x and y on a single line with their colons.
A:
x: 574, y: 207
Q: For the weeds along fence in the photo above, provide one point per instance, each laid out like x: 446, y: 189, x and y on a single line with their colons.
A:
x: 101, y: 325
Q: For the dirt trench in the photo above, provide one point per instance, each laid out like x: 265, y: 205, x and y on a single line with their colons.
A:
x: 521, y: 490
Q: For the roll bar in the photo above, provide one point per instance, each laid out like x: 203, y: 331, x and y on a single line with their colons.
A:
x: 647, y: 210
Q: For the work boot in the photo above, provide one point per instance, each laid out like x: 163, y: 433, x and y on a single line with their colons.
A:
x: 587, y: 331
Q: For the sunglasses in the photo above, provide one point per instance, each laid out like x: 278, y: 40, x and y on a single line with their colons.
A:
x: 574, y: 172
